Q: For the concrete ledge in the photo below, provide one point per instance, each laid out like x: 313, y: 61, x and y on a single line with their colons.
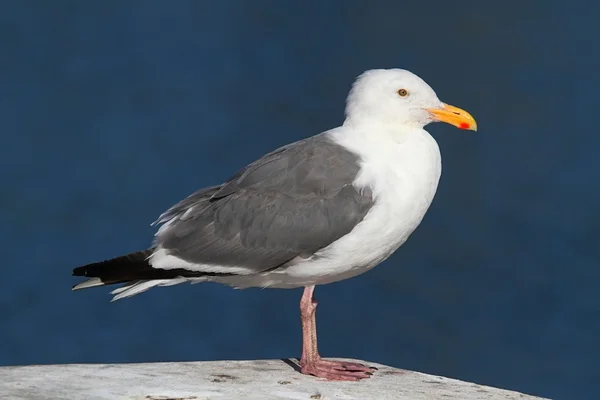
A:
x: 227, y: 380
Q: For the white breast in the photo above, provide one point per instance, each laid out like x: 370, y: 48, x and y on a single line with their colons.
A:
x: 403, y: 173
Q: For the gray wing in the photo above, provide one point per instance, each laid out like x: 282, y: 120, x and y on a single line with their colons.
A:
x: 291, y: 202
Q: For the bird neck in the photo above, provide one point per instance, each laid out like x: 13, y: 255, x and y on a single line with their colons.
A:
x: 384, y: 130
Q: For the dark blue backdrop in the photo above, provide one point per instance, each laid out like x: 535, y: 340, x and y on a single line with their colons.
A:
x: 111, y: 111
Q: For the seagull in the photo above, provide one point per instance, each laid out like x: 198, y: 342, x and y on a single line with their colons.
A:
x: 317, y: 211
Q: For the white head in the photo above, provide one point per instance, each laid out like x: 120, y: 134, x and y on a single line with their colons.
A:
x: 399, y: 97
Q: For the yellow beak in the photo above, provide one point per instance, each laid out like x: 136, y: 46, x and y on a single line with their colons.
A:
x: 454, y: 116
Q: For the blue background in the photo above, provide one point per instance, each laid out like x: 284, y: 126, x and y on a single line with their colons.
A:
x: 112, y: 111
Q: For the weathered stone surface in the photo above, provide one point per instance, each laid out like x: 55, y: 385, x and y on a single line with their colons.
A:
x: 227, y: 380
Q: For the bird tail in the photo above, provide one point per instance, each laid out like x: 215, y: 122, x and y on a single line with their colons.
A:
x: 132, y: 269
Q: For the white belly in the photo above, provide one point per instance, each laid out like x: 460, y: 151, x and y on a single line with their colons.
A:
x: 403, y: 177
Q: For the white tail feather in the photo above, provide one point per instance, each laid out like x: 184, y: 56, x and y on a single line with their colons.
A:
x: 138, y: 287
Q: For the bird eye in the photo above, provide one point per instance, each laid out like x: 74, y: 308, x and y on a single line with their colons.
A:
x: 402, y: 92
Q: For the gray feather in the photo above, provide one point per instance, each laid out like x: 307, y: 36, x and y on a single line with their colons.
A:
x: 293, y: 201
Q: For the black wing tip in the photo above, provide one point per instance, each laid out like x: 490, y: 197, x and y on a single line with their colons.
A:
x: 80, y: 271
x: 117, y: 269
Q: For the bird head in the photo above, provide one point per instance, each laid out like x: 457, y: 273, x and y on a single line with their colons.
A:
x: 397, y: 96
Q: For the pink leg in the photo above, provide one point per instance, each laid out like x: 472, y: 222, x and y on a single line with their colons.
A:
x: 311, y: 362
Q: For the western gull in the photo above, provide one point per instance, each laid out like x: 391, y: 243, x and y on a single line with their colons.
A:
x: 316, y: 211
